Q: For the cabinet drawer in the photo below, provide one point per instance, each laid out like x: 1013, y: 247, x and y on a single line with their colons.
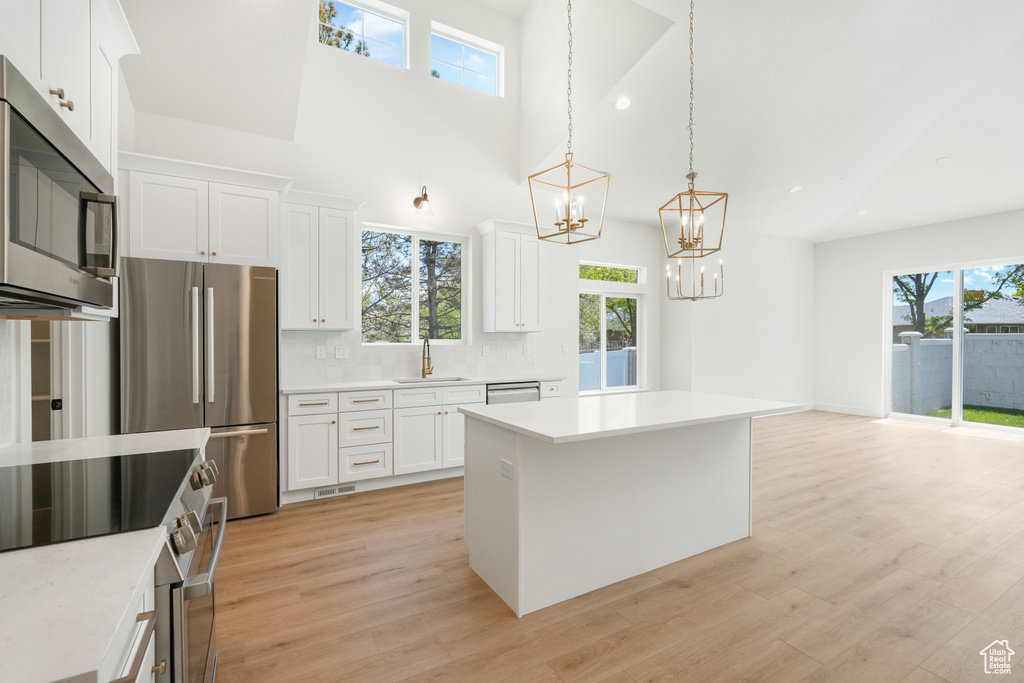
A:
x: 364, y: 400
x: 365, y: 462
x: 550, y: 389
x: 364, y: 427
x: 312, y: 404
x: 414, y: 398
x: 474, y: 393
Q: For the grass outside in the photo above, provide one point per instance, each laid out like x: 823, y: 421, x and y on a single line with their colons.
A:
x: 1006, y: 417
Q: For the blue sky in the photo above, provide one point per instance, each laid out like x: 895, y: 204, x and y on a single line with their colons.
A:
x: 974, y: 278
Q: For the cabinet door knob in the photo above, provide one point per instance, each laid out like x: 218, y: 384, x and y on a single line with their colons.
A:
x: 213, y: 253
x: 59, y: 92
x: 69, y: 104
x: 332, y: 422
x: 202, y: 253
x: 439, y: 412
x: 323, y: 320
x: 314, y: 319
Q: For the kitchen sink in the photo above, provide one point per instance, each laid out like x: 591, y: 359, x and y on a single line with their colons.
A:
x: 427, y: 380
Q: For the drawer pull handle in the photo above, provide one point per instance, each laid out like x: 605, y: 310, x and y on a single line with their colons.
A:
x: 371, y: 462
x: 140, y: 654
x: 366, y: 400
x: 363, y: 429
x: 321, y: 403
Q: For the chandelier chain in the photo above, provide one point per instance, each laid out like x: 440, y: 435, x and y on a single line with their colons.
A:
x: 691, y: 96
x: 569, y: 88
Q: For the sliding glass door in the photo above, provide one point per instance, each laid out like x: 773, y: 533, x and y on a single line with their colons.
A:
x: 957, y: 345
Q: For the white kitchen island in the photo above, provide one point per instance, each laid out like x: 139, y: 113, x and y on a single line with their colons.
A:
x: 566, y: 496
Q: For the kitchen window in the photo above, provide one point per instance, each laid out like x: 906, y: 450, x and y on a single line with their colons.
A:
x: 610, y: 329
x: 371, y: 29
x: 401, y: 268
x: 464, y: 59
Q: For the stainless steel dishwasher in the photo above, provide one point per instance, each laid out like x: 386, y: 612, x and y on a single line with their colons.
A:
x: 513, y: 392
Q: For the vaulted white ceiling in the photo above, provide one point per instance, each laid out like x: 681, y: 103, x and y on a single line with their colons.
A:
x: 854, y: 101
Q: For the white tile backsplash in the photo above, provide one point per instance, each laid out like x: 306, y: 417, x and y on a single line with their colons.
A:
x: 299, y: 364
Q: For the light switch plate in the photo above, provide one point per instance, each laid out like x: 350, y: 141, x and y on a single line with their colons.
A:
x: 508, y: 470
x: 321, y: 352
x: 341, y: 352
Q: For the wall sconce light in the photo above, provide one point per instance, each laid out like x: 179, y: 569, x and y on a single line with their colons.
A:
x: 422, y: 203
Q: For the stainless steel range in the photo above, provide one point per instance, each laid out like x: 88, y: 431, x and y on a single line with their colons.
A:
x: 57, y: 502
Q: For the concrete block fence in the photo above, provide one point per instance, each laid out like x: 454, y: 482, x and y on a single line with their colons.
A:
x: 922, y: 372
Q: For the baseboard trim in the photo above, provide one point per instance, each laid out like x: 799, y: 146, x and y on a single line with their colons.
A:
x: 288, y: 497
x: 848, y: 410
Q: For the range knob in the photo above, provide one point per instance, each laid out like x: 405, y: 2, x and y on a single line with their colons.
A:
x: 184, y: 540
x: 210, y: 471
x: 190, y: 520
x: 195, y: 479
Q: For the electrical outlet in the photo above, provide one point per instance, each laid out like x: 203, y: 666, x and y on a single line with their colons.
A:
x: 508, y: 470
x: 321, y: 352
x: 565, y: 349
x: 526, y: 349
x: 341, y: 352
x: 485, y: 351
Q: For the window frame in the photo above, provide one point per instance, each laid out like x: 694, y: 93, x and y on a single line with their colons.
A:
x: 958, y: 268
x: 386, y: 11
x: 467, y: 272
x: 477, y: 43
x: 634, y: 290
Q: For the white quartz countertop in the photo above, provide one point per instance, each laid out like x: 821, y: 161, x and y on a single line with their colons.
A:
x: 62, y: 603
x: 592, y: 417
x: 39, y: 452
x: 394, y: 384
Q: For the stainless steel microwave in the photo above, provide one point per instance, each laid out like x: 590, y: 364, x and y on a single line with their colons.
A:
x: 58, y: 217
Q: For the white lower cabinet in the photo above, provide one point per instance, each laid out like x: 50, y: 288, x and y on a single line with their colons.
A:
x: 133, y: 646
x: 312, y: 451
x: 418, y: 439
x: 365, y: 462
x: 453, y: 437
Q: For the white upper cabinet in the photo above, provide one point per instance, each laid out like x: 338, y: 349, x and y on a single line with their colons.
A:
x: 169, y: 217
x: 69, y: 50
x: 511, y: 269
x: 185, y: 212
x: 316, y: 268
x: 243, y: 225
x: 65, y: 60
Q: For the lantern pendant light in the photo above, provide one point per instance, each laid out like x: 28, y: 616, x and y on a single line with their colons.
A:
x: 693, y: 222
x: 569, y: 199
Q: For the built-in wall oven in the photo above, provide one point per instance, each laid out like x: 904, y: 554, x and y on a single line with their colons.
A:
x: 57, y: 210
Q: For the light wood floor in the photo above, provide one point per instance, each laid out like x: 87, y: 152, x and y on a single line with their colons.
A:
x: 882, y: 551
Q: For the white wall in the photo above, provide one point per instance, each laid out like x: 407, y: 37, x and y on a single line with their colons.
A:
x: 8, y: 389
x: 756, y: 339
x: 850, y: 292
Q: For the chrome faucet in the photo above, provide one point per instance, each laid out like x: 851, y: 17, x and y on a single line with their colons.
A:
x: 428, y: 368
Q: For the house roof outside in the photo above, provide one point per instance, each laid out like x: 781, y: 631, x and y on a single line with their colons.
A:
x: 993, y: 312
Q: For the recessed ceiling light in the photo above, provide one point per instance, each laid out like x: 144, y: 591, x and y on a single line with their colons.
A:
x: 862, y: 212
x: 796, y: 188
x: 943, y: 160
x: 622, y: 103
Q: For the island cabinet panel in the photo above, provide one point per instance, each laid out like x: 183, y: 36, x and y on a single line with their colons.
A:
x: 546, y: 522
x: 418, y: 440
x: 312, y: 451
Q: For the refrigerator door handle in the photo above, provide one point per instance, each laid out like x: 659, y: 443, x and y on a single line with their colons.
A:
x: 195, y: 345
x: 210, y: 317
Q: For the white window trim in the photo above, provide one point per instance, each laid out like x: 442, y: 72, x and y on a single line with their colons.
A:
x: 467, y: 272
x: 958, y: 268
x: 477, y: 43
x: 388, y: 12
x: 622, y: 289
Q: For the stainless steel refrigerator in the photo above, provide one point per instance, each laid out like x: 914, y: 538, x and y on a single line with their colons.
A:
x: 199, y: 348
